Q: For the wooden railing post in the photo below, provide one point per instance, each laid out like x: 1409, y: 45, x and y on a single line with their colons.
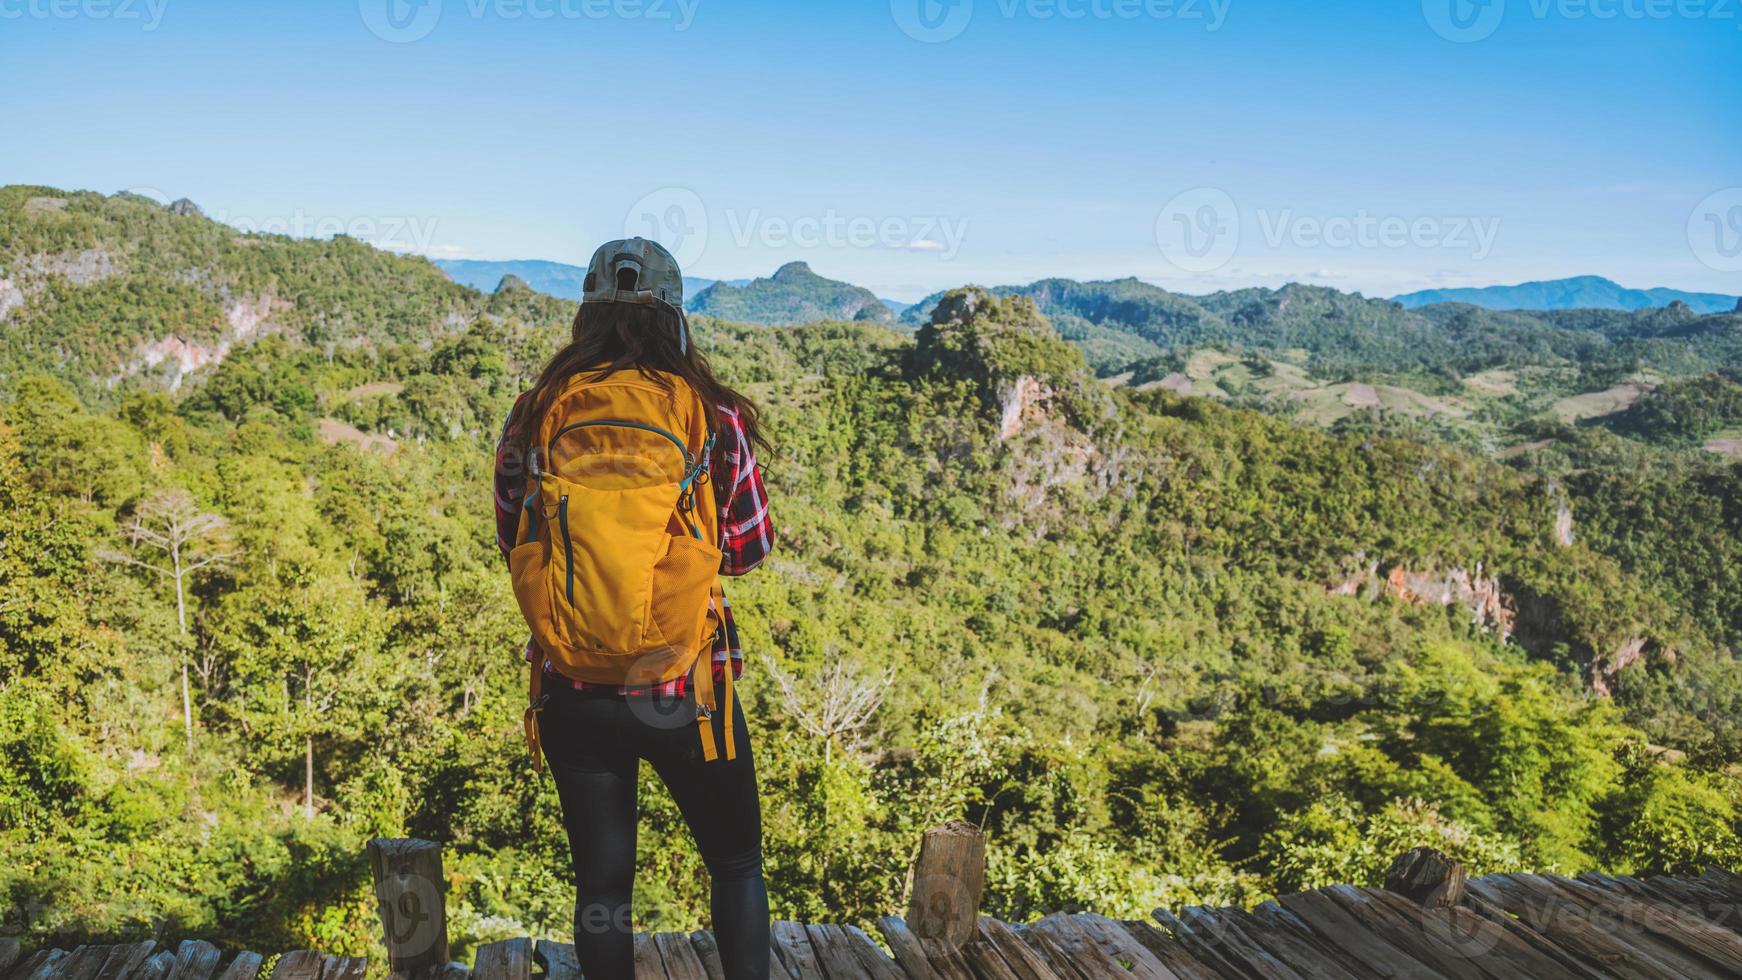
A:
x: 948, y: 881
x: 1427, y: 877
x: 411, y: 897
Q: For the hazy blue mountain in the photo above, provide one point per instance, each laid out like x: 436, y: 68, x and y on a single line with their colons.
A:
x: 552, y: 278
x: 1580, y: 293
x: 793, y: 295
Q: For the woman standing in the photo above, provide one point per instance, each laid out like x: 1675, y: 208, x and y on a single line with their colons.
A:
x: 614, y: 685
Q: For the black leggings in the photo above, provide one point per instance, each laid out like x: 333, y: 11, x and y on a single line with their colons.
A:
x: 594, y: 743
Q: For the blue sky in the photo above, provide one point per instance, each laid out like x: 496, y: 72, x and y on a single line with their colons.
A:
x: 1201, y: 145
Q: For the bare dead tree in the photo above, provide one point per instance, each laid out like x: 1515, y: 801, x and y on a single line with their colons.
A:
x: 170, y: 536
x: 837, y: 704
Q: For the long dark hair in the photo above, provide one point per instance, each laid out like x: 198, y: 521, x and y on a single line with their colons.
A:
x: 611, y: 337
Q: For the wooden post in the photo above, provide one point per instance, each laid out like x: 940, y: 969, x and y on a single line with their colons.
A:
x: 948, y: 880
x: 411, y: 897
x: 1426, y: 877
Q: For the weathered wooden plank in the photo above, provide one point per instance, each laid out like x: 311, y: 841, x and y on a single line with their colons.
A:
x: 1545, y: 945
x: 1696, y: 897
x: 195, y: 959
x: 1206, y: 949
x: 125, y: 960
x: 777, y: 966
x: 648, y: 964
x: 510, y: 959
x: 84, y: 963
x: 1382, y: 921
x: 40, y: 965
x: 1055, y: 956
x: 1084, y: 950
x: 1720, y: 948
x: 830, y: 946
x: 1605, y: 914
x: 946, y: 960
x: 1328, y: 919
x: 558, y: 960
x: 708, y: 952
x: 876, y: 962
x: 1166, y: 949
x: 1288, y: 946
x: 833, y: 951
x: 1022, y: 961
x: 156, y: 966
x: 246, y: 966
x: 1728, y: 882
x: 794, y: 946
x: 302, y: 964
x: 1118, y: 944
x: 985, y: 961
x: 344, y: 967
x: 1292, y: 931
x: 681, y: 962
x: 451, y: 971
x: 1494, y: 950
x: 905, y: 945
x: 1567, y: 925
x: 1215, y: 928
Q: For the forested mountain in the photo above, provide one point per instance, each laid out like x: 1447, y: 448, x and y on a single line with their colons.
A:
x: 553, y: 278
x: 1332, y: 331
x: 794, y: 294
x: 1578, y: 293
x: 1164, y: 649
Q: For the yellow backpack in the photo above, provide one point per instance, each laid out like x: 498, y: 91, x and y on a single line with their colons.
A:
x: 617, y: 572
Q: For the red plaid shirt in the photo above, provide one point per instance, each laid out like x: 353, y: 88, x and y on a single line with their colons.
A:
x: 746, y: 534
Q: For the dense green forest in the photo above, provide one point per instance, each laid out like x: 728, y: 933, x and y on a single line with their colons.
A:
x: 1167, y: 649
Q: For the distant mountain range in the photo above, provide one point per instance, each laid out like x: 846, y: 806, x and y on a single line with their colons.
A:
x: 794, y: 294
x: 551, y: 278
x: 1120, y: 323
x: 1580, y: 293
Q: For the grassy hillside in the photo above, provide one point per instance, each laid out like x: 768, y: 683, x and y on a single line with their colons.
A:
x: 1165, y: 649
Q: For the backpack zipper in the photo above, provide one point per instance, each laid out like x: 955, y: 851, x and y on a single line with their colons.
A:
x: 562, y: 516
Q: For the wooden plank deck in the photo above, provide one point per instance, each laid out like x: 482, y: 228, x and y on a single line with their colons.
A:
x: 1500, y: 927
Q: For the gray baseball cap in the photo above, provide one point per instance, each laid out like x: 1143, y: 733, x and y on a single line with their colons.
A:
x: 657, y: 278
